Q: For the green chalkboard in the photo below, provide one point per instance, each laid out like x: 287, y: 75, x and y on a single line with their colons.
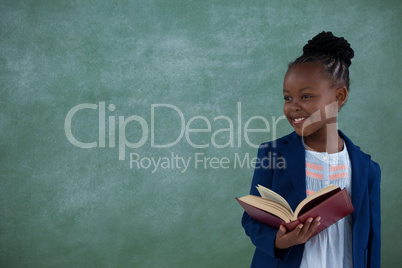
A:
x: 127, y: 128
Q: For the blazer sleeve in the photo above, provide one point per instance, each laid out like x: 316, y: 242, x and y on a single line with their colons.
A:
x: 261, y: 235
x: 374, y: 246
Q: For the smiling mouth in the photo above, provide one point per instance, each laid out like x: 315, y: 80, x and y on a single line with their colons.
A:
x: 299, y: 120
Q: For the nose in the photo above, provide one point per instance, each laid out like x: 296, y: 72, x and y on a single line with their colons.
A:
x: 295, y: 106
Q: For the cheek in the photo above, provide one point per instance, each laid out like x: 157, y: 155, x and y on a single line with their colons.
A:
x: 331, y: 110
x: 286, y: 109
x: 315, y: 116
x: 286, y: 112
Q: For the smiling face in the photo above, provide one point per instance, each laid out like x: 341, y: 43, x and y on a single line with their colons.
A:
x: 311, y: 101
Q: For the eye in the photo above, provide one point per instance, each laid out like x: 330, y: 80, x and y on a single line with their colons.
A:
x: 286, y: 98
x: 306, y: 96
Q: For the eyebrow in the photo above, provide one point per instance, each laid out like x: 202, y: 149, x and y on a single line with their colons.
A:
x: 301, y: 89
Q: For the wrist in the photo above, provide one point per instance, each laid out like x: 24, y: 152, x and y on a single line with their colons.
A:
x: 280, y: 246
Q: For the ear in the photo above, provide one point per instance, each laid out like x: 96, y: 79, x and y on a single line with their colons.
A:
x: 341, y: 95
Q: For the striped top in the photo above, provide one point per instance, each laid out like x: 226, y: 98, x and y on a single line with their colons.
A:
x: 333, y: 246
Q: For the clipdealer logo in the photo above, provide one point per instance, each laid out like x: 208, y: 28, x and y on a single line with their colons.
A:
x: 174, y: 161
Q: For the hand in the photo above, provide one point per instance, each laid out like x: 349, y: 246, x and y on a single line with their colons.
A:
x: 301, y: 234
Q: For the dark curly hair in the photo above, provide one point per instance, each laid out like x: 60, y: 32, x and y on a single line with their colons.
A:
x: 333, y: 53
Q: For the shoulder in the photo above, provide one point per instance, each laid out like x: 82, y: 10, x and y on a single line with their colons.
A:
x: 287, y: 148
x: 362, y: 159
x: 373, y: 168
x: 291, y: 138
x: 358, y: 153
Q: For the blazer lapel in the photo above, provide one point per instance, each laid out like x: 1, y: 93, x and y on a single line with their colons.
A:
x: 294, y: 154
x: 359, y: 174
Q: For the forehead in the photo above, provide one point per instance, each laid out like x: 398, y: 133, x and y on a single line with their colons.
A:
x: 305, y: 75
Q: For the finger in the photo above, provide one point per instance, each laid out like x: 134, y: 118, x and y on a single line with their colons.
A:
x: 281, y: 231
x: 306, y: 226
x: 314, y: 226
x: 295, y: 233
x: 280, y: 240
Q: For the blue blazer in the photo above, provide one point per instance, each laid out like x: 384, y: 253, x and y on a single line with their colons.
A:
x: 281, y: 167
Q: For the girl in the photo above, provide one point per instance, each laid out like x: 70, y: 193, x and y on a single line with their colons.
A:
x: 317, y: 154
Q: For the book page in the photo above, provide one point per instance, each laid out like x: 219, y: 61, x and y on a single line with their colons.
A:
x: 271, y: 195
x: 269, y: 206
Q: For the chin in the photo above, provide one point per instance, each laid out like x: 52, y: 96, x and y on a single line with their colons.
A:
x: 303, y: 132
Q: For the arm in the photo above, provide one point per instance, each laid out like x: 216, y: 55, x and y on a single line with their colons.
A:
x: 261, y: 235
x: 374, y: 245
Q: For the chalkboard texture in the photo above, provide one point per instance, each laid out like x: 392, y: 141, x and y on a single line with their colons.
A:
x: 127, y: 128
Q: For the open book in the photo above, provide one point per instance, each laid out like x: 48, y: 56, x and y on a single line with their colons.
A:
x: 330, y: 203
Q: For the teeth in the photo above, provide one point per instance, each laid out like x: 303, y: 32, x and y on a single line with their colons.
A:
x: 299, y: 119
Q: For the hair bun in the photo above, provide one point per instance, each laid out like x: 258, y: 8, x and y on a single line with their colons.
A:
x: 327, y: 44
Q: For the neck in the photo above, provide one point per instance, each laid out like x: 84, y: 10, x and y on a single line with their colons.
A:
x: 330, y: 142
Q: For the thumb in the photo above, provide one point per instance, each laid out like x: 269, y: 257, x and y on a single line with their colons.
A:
x: 281, y: 231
